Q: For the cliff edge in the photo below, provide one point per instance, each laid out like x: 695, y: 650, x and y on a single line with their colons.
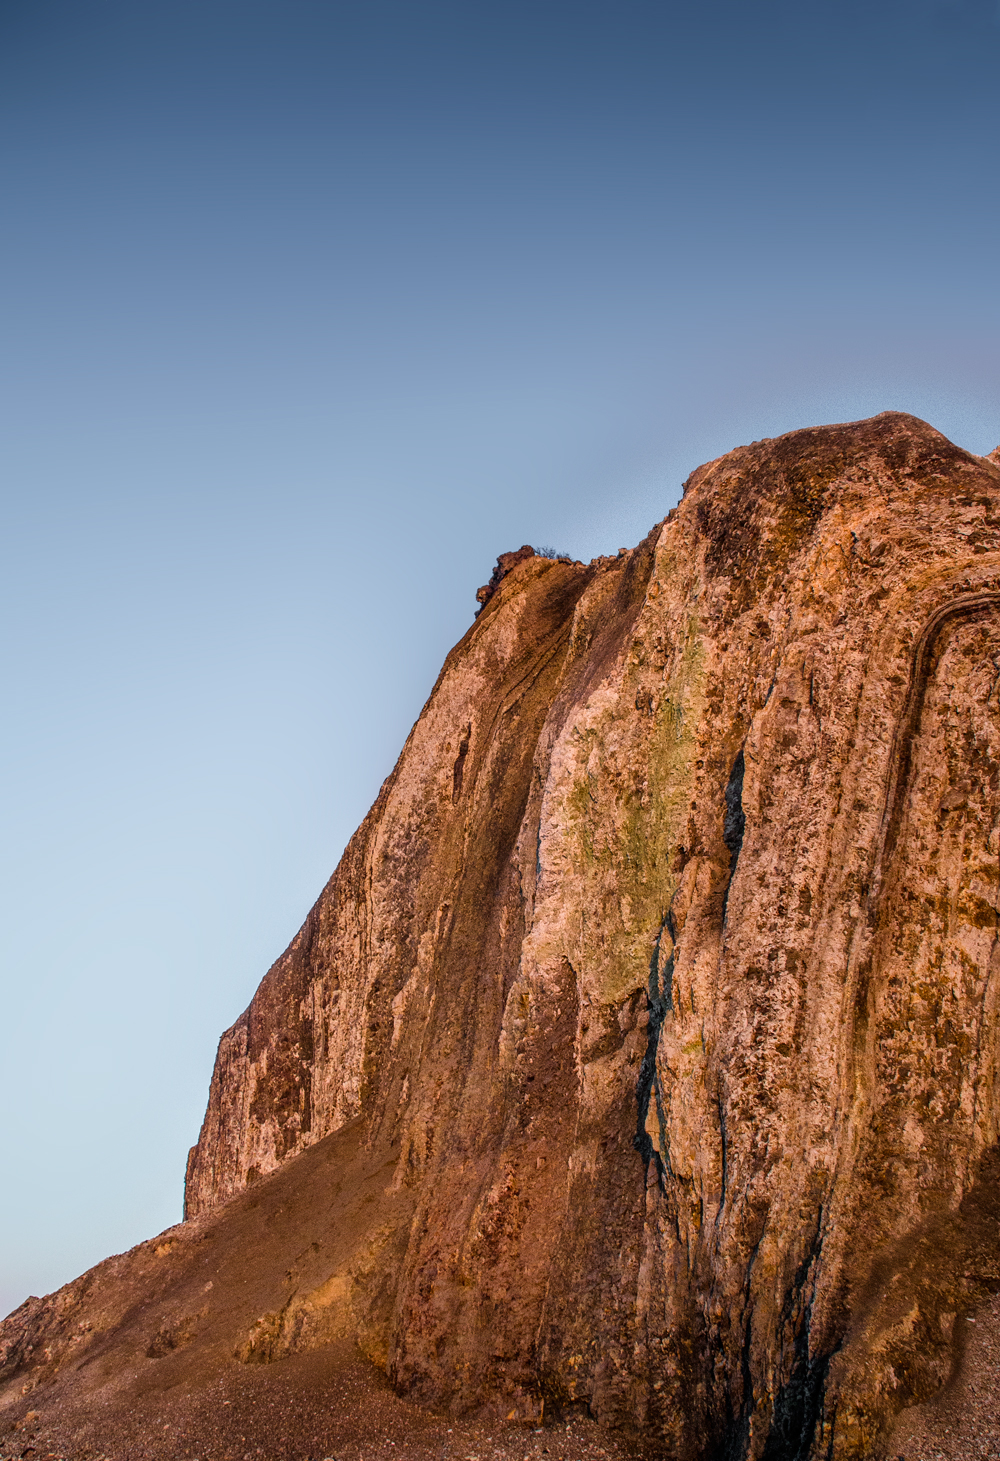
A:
x: 658, y: 990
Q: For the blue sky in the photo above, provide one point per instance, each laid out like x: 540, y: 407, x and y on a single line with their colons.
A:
x: 307, y: 311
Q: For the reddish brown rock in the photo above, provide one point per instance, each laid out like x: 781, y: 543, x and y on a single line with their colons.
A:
x: 661, y: 980
x: 504, y: 564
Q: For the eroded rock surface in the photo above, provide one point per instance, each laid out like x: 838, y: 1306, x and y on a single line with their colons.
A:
x: 662, y: 978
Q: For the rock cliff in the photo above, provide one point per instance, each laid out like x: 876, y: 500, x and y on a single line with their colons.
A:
x: 662, y: 979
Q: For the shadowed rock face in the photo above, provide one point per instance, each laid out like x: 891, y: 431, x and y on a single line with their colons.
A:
x: 663, y: 975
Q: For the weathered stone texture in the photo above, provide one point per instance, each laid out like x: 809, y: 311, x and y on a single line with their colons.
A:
x: 665, y: 967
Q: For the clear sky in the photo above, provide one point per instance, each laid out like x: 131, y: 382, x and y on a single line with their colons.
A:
x: 308, y: 309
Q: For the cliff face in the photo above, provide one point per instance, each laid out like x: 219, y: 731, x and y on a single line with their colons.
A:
x: 664, y: 972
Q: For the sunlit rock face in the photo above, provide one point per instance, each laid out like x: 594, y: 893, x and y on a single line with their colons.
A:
x: 663, y: 975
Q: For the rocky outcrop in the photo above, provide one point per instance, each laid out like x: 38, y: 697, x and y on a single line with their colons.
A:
x: 505, y: 563
x: 663, y: 974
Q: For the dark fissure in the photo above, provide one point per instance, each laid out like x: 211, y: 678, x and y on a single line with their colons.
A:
x: 799, y: 1403
x: 459, y: 770
x: 735, y: 822
x: 660, y: 998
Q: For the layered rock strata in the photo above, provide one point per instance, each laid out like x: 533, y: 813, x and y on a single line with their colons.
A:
x: 664, y: 972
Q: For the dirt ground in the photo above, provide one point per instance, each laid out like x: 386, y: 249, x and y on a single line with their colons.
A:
x: 102, y: 1396
x: 963, y: 1422
x: 137, y: 1360
x: 331, y: 1405
x: 327, y: 1404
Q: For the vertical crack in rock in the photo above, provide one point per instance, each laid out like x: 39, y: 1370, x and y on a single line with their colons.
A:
x: 724, y: 1144
x: 736, y: 1438
x: 799, y: 1403
x: 459, y: 771
x: 734, y: 825
x: 660, y: 997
